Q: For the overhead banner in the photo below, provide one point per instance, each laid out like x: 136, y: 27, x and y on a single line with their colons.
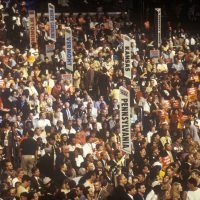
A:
x: 127, y: 56
x: 52, y: 25
x: 69, y: 49
x: 32, y: 27
x: 125, y: 126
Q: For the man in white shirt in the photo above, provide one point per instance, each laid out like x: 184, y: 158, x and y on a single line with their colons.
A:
x: 43, y: 122
x: 69, y: 129
x: 178, y: 66
x: 194, y: 191
x: 37, y: 134
x: 63, y: 54
x: 162, y: 67
x: 156, y: 188
x: 73, y: 145
x: 89, y: 147
x: 90, y: 180
x: 34, y: 51
x: 48, y: 82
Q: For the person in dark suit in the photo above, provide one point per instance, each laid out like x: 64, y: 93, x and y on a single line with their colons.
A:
x: 28, y: 153
x: 131, y: 191
x: 140, y: 68
x: 176, y: 93
x: 60, y: 175
x: 89, y: 78
x: 119, y: 192
x: 141, y: 189
x: 36, y: 182
x: 105, y: 161
x: 47, y: 67
x: 45, y: 163
x: 168, y: 151
x: 103, y: 83
x: 101, y: 191
x: 23, y: 107
x: 67, y: 112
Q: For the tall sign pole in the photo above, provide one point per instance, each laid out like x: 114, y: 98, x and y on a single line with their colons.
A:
x: 157, y: 25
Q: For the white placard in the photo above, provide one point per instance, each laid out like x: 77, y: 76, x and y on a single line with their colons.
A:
x: 125, y: 129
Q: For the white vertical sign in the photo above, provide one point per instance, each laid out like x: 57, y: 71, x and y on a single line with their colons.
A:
x: 127, y: 56
x: 32, y: 27
x: 158, y: 26
x: 125, y: 129
x: 69, y: 49
x: 52, y: 25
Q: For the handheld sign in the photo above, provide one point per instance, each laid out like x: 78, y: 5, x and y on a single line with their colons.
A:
x: 192, y: 94
x: 32, y: 27
x: 125, y: 129
x: 52, y: 32
x: 154, y: 54
x: 67, y: 77
x: 50, y: 51
x: 69, y: 49
x: 127, y: 56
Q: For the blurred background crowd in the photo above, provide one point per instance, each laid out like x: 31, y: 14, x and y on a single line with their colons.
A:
x: 60, y: 137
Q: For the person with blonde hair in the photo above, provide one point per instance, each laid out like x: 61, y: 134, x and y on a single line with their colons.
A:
x: 18, y: 178
x: 176, y: 190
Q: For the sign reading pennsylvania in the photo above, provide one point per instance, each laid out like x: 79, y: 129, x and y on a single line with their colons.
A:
x: 125, y: 130
x: 32, y: 27
x: 127, y: 56
x: 69, y: 49
x: 52, y: 32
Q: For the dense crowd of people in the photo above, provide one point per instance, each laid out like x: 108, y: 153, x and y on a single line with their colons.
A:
x: 60, y: 139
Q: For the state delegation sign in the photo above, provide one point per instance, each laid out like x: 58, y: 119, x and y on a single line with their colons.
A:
x: 52, y: 32
x: 127, y: 56
x: 125, y: 129
x: 32, y: 27
x: 69, y: 49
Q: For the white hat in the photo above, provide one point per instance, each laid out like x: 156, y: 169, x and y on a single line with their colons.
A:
x: 157, y: 164
x: 9, y: 47
x: 78, y: 99
x: 46, y: 180
x: 155, y: 183
x: 165, y: 122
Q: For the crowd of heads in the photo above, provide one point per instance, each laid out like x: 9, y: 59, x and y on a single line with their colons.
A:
x: 60, y: 137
